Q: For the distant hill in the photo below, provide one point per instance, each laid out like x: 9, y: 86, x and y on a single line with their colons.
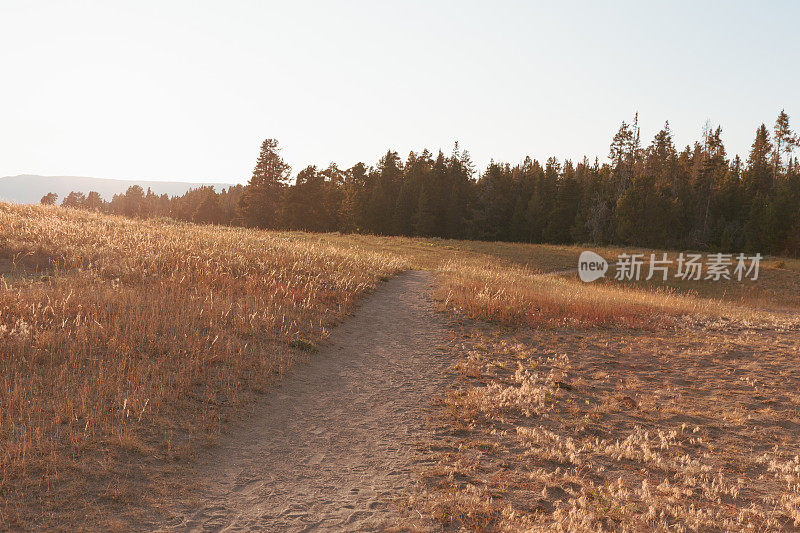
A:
x: 29, y: 189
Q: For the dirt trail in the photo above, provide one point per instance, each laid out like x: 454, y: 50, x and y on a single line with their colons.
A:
x: 334, y: 444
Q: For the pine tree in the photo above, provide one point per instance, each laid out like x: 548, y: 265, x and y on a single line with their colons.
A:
x: 518, y: 227
x: 333, y: 197
x: 133, y: 202
x: 405, y: 210
x: 384, y: 194
x: 260, y: 204
x: 458, y: 219
x: 415, y: 171
x: 93, y: 201
x: 74, y: 200
x: 49, y: 199
x: 355, y: 197
x: 439, y: 188
x: 565, y: 208
x: 758, y: 176
x: 785, y: 142
x: 209, y: 210
x: 619, y: 154
x: 424, y: 218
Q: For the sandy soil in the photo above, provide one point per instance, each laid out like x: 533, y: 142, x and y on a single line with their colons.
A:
x: 334, y: 445
x: 686, y: 429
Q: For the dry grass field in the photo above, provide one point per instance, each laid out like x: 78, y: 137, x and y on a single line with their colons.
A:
x: 122, y: 344
x: 618, y: 406
x: 125, y: 345
x: 586, y: 430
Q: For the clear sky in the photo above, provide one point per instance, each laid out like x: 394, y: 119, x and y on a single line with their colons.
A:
x: 187, y: 90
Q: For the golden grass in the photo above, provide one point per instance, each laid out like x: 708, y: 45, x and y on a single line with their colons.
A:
x: 778, y: 286
x: 504, y: 283
x: 537, y: 257
x: 126, y: 344
x: 519, y: 296
x: 627, y: 406
x: 135, y: 335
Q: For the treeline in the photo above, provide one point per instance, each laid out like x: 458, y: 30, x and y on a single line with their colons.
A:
x: 653, y: 195
x: 202, y: 205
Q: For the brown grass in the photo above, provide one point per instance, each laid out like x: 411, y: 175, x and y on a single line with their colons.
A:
x: 685, y: 430
x: 514, y: 295
x: 124, y: 345
x: 138, y: 335
x: 617, y: 406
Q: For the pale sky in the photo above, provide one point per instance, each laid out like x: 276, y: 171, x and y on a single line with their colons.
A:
x: 187, y: 90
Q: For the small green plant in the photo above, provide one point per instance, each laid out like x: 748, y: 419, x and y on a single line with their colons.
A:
x: 303, y: 345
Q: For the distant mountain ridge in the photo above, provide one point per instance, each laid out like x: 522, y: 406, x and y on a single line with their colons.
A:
x: 29, y: 189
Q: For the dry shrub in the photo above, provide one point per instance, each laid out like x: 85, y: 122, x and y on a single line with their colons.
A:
x: 470, y: 508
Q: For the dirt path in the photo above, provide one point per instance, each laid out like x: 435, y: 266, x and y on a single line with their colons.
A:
x: 334, y: 444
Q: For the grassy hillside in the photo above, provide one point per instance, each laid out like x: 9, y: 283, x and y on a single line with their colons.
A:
x: 125, y: 345
x: 124, y: 342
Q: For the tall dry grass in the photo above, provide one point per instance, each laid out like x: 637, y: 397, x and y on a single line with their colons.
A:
x: 122, y: 342
x: 493, y: 291
x: 518, y: 295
